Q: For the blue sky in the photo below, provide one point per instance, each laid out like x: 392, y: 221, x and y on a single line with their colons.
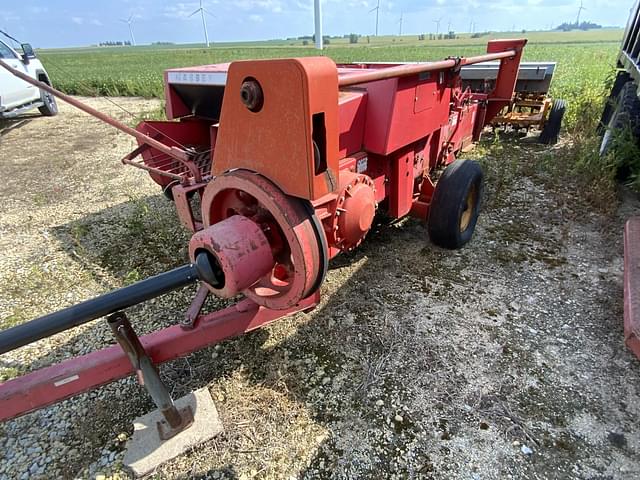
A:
x: 73, y: 22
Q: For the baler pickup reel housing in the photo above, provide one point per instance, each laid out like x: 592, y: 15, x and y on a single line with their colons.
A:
x: 290, y: 158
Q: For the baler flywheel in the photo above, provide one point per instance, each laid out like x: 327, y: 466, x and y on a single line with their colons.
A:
x: 297, y: 256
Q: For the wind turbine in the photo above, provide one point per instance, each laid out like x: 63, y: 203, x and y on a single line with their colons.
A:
x: 318, y: 21
x: 580, y: 8
x: 400, y: 22
x: 449, y: 26
x: 129, y: 22
x: 437, y: 22
x: 377, y: 9
x: 202, y: 11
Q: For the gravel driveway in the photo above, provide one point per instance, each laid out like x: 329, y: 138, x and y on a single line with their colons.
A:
x: 502, y: 360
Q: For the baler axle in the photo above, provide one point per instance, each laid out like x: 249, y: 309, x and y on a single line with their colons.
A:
x: 43, y: 327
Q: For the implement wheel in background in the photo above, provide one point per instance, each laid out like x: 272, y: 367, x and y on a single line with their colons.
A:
x: 626, y: 114
x: 551, y: 130
x: 456, y: 204
x: 621, y: 79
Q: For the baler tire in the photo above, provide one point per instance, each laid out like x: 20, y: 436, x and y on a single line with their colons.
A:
x: 551, y: 130
x: 455, y: 205
x: 625, y: 115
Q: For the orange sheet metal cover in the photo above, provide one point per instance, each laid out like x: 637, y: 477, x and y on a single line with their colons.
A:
x: 277, y: 140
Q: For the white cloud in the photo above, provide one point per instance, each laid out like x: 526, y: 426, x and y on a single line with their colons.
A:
x: 256, y: 18
x: 77, y: 20
x: 184, y: 10
x: 273, y: 6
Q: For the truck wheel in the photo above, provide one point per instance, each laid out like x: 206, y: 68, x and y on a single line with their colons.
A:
x: 551, y: 130
x: 625, y: 115
x: 456, y: 204
x: 50, y: 107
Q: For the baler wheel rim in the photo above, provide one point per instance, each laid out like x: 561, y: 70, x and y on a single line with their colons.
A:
x: 469, y: 208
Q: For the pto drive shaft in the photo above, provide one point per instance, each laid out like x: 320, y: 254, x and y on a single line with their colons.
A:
x: 111, y: 302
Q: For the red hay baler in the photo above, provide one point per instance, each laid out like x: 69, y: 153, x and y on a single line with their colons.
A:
x: 290, y: 158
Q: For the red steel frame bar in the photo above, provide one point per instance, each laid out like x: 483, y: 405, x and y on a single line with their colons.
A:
x: 406, y: 70
x: 632, y: 285
x: 152, y: 142
x: 55, y: 383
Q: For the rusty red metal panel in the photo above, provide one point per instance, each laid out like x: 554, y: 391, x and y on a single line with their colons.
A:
x: 352, y: 115
x: 632, y: 285
x: 186, y: 134
x: 380, y: 106
x: 379, y: 168
x: 408, y: 124
x: 72, y: 377
x: 401, y: 184
x: 174, y: 106
x: 403, y: 111
x: 461, y: 123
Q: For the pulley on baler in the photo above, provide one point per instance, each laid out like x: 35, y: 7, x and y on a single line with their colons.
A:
x: 328, y: 145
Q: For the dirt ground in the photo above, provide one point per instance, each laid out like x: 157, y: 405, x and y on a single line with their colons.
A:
x: 502, y: 360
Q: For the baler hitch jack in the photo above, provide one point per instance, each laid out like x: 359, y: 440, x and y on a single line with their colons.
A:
x: 175, y: 420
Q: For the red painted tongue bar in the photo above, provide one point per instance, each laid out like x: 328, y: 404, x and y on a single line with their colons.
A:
x: 289, y: 170
x: 632, y: 285
x: 80, y: 374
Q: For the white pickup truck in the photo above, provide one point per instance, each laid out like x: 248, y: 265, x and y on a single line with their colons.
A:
x: 17, y: 96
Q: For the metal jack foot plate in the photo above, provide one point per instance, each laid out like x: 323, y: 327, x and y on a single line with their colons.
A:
x: 146, y: 451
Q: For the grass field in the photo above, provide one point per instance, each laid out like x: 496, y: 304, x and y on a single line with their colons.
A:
x: 585, y: 60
